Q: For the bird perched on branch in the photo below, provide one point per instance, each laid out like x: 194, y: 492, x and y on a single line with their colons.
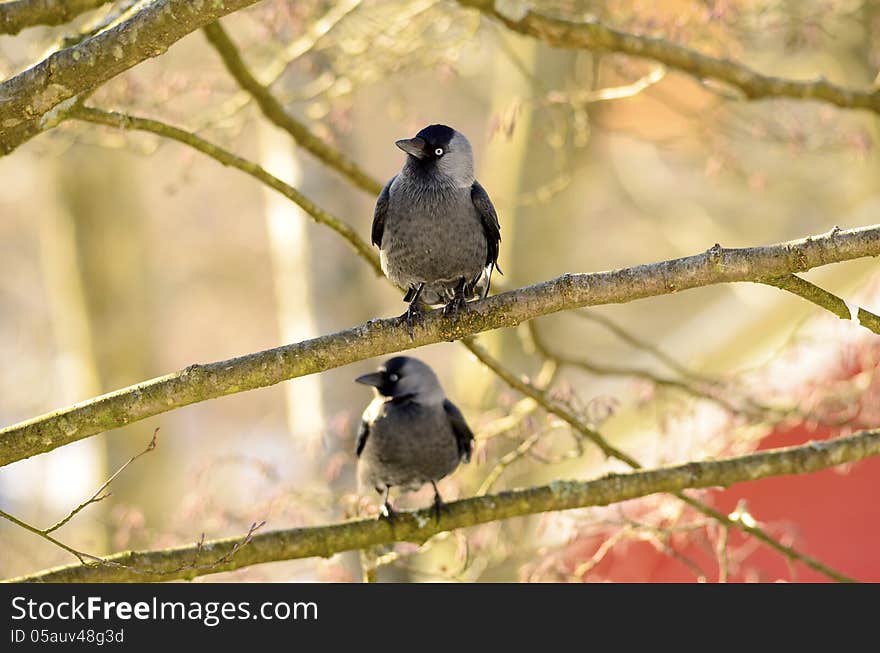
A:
x: 436, y: 229
x: 410, y: 434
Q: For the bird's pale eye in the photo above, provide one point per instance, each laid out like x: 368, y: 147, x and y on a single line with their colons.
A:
x: 393, y: 378
x: 439, y: 151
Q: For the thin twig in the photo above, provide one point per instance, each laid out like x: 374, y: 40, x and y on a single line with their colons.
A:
x: 590, y: 433
x: 84, y: 558
x: 643, y: 345
x: 614, y: 370
x: 95, y: 498
x: 45, y: 533
x: 722, y: 554
x: 604, y: 549
x: 274, y: 111
x: 227, y: 158
x: 291, y: 52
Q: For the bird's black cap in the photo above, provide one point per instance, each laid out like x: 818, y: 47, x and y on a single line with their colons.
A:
x: 385, y: 380
x: 395, y: 365
x: 436, y: 135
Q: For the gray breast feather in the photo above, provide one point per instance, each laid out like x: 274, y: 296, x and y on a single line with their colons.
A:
x: 433, y: 235
x: 409, y: 445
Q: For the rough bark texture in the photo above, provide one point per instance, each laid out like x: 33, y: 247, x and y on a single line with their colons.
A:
x: 378, y: 337
x: 19, y: 14
x: 28, y: 99
x: 593, y: 35
x: 198, y: 560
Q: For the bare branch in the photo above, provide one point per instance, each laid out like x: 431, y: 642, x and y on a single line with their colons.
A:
x: 20, y: 14
x: 694, y: 389
x: 378, y: 337
x: 593, y: 35
x: 98, y: 496
x: 586, y: 567
x: 821, y: 297
x: 591, y: 434
x: 84, y: 558
x: 28, y: 99
x: 227, y: 158
x: 274, y: 111
x: 45, y: 533
x: 645, y: 346
x: 723, y: 555
x: 419, y: 526
x: 291, y: 52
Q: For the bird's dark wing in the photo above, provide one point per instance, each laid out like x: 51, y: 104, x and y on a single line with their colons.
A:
x: 463, y: 435
x: 379, y: 213
x: 363, y: 432
x: 489, y: 218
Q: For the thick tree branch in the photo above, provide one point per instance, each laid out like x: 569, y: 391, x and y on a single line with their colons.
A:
x: 378, y: 337
x: 170, y: 564
x: 28, y: 99
x: 274, y: 112
x: 593, y: 35
x: 20, y: 14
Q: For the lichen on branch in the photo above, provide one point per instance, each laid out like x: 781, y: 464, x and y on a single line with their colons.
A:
x: 324, y: 541
x: 20, y: 14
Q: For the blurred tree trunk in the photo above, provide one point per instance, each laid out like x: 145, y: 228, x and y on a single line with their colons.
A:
x: 76, y: 376
x: 290, y: 253
x: 100, y: 188
x: 95, y: 262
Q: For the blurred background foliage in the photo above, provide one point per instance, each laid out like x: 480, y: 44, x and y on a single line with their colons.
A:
x: 123, y: 257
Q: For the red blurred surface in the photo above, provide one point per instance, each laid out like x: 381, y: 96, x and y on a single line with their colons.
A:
x: 833, y: 516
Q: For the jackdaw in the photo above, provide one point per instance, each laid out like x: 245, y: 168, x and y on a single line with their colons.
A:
x: 435, y: 226
x: 410, y: 434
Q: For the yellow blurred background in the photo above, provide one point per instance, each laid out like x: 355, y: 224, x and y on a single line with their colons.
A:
x: 124, y: 257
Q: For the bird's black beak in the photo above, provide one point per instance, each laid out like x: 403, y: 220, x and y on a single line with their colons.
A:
x: 375, y: 379
x: 413, y: 146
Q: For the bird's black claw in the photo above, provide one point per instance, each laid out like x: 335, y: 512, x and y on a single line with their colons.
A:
x: 414, y: 309
x: 438, y: 502
x: 387, y: 512
x: 458, y: 300
x: 412, y: 314
x: 438, y: 507
x: 451, y: 309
